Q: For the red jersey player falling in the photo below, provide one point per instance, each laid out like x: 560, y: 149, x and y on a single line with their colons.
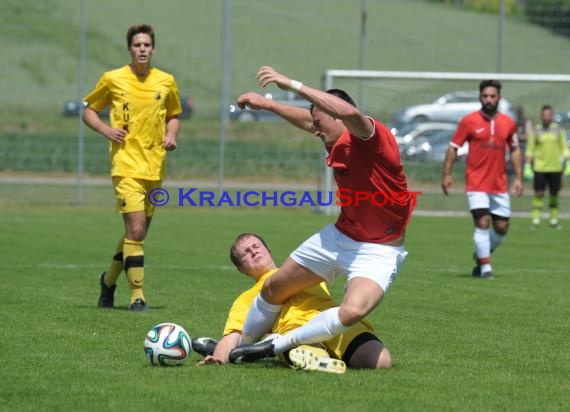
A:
x: 366, y: 245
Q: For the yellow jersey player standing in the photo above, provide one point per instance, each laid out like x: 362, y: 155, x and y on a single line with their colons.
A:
x: 144, y: 107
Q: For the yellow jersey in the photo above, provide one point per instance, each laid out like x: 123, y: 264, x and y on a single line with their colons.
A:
x: 140, y: 106
x: 548, y: 148
x: 297, y: 311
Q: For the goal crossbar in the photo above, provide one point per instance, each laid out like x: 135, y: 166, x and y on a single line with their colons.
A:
x: 379, y: 74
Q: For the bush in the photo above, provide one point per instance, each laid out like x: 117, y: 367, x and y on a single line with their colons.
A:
x: 552, y: 14
x: 493, y: 6
x: 488, y: 6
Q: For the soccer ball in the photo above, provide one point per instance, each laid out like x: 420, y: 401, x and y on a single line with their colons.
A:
x: 167, y: 344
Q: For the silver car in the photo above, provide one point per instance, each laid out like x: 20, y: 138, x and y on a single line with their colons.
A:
x: 448, y: 108
x: 563, y: 119
x: 417, y: 140
x: 408, y: 132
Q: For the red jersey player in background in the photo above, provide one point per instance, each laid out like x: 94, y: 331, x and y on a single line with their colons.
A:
x: 367, y: 242
x: 489, y: 133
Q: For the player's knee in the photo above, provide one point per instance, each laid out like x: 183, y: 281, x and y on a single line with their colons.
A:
x: 137, y: 233
x: 271, y: 294
x: 350, y: 314
x: 482, y: 218
x: 502, y: 231
x: 501, y: 227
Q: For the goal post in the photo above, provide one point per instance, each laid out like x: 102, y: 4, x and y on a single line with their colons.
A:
x: 381, y: 94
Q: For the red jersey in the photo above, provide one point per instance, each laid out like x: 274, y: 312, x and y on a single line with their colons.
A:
x: 488, y: 139
x: 373, y: 194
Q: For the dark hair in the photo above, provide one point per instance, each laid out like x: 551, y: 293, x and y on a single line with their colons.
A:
x: 490, y: 83
x: 236, y: 260
x: 546, y: 107
x: 341, y: 94
x: 139, y: 28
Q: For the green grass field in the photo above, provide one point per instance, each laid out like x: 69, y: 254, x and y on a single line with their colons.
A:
x: 459, y: 343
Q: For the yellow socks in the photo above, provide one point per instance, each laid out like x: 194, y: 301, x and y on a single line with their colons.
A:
x: 133, y: 253
x: 553, y: 209
x: 537, y: 205
x: 116, y: 266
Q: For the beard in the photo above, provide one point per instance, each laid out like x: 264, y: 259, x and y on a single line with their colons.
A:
x: 489, y: 108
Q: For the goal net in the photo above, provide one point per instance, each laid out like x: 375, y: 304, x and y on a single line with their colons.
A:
x: 385, y: 94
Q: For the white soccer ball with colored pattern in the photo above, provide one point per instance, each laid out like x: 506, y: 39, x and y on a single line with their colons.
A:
x: 167, y: 344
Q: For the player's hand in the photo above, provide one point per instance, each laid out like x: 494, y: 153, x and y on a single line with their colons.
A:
x: 210, y: 360
x: 446, y: 183
x: 267, y: 75
x: 252, y: 100
x: 169, y: 143
x: 115, y: 134
x: 518, y: 187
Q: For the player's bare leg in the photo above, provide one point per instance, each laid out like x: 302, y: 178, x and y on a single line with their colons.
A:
x: 362, y: 295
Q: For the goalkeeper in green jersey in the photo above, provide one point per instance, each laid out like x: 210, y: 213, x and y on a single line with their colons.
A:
x: 547, y: 152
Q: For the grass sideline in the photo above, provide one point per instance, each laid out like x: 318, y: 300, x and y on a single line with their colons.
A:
x: 459, y: 343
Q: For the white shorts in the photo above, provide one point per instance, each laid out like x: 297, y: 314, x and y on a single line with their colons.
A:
x: 331, y: 254
x: 498, y: 204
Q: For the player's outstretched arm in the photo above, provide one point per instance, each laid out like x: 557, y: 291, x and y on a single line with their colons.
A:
x: 297, y: 116
x: 354, y: 120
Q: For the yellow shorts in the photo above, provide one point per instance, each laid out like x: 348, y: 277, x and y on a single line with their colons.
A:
x: 132, y: 194
x: 343, y: 346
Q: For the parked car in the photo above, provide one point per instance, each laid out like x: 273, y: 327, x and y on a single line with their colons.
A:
x: 563, y: 119
x: 432, y: 146
x: 281, y: 96
x: 448, y: 108
x: 405, y: 134
x: 71, y: 108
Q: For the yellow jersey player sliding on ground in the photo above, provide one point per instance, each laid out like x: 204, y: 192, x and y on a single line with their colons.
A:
x: 145, y: 105
x: 358, y: 347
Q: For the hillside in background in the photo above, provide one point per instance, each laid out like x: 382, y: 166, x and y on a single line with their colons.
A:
x: 40, y: 63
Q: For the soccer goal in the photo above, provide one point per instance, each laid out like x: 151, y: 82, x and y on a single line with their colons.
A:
x: 385, y: 94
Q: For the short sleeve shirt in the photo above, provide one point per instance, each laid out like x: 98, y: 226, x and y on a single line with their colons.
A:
x: 372, y: 167
x: 488, y: 139
x: 139, y: 105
